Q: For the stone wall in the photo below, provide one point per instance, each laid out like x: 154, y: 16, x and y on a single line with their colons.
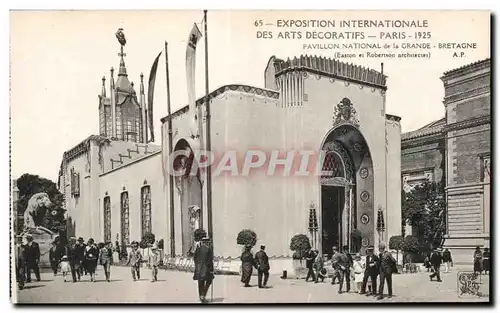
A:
x: 467, y: 102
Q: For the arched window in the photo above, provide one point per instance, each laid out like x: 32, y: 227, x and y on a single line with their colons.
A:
x: 107, y: 219
x: 333, y: 165
x: 125, y: 223
x: 145, y: 209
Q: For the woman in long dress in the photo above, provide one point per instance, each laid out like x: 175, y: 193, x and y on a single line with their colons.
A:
x: 478, y: 260
x: 91, y: 256
x: 247, y: 264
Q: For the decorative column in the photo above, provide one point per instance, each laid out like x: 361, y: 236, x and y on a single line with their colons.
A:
x: 313, y: 226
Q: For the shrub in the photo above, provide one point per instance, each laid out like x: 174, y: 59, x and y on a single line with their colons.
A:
x: 199, y: 234
x: 411, y: 246
x: 396, y: 243
x: 300, y: 244
x: 147, y: 239
x: 246, y: 237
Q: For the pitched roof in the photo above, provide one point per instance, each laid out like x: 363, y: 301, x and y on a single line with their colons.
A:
x: 427, y: 130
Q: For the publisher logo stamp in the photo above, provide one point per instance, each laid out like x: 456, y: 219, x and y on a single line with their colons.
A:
x: 469, y: 284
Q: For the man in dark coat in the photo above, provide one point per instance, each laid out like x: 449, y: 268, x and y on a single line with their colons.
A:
x: 20, y: 262
x: 72, y: 252
x: 436, y: 260
x: 262, y: 264
x: 341, y: 263
x: 204, y: 267
x: 371, y: 271
x: 54, y: 257
x: 310, y: 257
x: 32, y: 258
x: 386, y: 267
x: 448, y: 261
x: 247, y: 265
x: 80, y: 256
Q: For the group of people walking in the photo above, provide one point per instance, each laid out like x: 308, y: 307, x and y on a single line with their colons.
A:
x: 260, y: 262
x: 482, y: 261
x: 347, y: 269
x: 77, y: 259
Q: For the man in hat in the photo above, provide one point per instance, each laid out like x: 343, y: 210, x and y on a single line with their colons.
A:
x: 342, y: 263
x: 371, y: 271
x: 436, y: 259
x: 155, y: 262
x: 204, y: 267
x: 20, y: 262
x: 310, y: 257
x: 262, y: 264
x: 73, y: 258
x: 134, y: 260
x: 386, y: 266
x: 79, y: 248
x: 336, y: 268
x: 32, y: 258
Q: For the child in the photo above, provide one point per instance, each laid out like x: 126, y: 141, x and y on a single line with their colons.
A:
x: 134, y: 260
x: 155, y: 262
x: 65, y: 267
x: 358, y: 270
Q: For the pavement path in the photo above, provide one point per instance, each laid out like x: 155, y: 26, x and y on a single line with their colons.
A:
x: 179, y: 287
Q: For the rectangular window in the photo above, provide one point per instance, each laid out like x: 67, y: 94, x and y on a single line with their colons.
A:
x: 125, y: 223
x: 107, y: 219
x: 145, y: 209
x: 485, y: 169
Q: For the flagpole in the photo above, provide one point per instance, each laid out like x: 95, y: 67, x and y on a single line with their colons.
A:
x: 209, y: 143
x: 170, y: 150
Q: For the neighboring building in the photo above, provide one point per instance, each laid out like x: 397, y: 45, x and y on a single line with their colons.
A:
x: 468, y: 142
x: 455, y: 151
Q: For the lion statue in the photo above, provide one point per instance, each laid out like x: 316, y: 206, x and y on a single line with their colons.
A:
x: 36, y: 201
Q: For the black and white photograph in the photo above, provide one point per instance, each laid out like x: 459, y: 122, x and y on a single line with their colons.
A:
x: 250, y: 156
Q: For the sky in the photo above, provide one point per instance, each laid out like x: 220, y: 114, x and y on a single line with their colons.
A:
x: 59, y: 57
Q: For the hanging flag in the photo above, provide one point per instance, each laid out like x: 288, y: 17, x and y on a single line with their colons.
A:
x: 151, y: 92
x: 194, y: 37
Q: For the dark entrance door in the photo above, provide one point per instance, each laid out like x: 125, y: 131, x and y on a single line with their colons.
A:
x: 332, y: 203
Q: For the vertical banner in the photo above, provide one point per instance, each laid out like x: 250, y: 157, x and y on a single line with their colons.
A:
x: 151, y: 91
x: 193, y: 39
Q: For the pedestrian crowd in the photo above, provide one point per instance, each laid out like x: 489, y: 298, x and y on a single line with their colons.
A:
x: 77, y: 258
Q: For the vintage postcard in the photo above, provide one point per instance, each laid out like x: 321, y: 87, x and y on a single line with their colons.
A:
x: 250, y: 156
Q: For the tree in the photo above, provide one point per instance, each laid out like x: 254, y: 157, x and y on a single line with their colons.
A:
x: 147, y: 240
x: 411, y: 246
x: 424, y: 208
x: 246, y: 237
x: 52, y: 218
x: 396, y: 243
x: 300, y: 245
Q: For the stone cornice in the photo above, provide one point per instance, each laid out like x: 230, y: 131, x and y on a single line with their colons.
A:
x: 485, y: 119
x: 333, y: 69
x: 467, y: 94
x: 468, y: 68
x: 241, y: 88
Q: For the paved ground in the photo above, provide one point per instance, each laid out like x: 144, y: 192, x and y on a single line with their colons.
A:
x: 179, y: 287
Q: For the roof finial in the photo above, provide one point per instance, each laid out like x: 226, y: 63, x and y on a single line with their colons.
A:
x: 103, y: 90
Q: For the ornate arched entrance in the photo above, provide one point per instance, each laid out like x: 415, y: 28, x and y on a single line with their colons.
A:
x: 189, y: 188
x: 346, y: 193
